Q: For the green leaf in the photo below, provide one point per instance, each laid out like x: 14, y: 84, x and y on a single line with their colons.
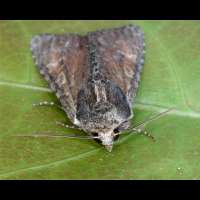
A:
x: 171, y: 78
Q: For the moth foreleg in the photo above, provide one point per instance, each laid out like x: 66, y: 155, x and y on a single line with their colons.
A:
x: 145, y: 133
x: 45, y: 103
x: 67, y: 126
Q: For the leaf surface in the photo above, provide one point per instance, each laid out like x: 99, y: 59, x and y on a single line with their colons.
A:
x: 171, y: 78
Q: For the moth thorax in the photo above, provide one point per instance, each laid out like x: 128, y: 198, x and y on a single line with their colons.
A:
x: 100, y: 92
x: 103, y: 107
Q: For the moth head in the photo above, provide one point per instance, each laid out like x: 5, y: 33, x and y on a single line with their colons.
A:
x: 106, y: 138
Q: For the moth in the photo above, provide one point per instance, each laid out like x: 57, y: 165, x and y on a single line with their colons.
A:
x: 95, y: 77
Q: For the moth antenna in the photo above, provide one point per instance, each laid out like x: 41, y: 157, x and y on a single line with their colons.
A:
x: 137, y: 127
x: 58, y: 136
x: 156, y: 116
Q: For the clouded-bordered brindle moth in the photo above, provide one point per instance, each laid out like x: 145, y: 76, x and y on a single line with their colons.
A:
x: 95, y: 77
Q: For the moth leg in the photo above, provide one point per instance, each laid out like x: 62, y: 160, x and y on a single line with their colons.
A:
x: 45, y: 103
x: 67, y: 126
x: 145, y: 133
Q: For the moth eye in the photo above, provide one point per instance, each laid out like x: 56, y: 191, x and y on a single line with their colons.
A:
x: 116, y: 137
x: 94, y: 134
x: 96, y: 139
x: 116, y: 130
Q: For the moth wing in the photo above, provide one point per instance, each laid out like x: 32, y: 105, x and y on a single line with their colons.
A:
x: 121, y: 54
x: 61, y: 59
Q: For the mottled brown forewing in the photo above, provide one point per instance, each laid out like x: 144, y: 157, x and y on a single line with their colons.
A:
x: 121, y: 54
x: 62, y: 59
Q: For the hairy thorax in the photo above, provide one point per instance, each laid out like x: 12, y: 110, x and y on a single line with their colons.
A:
x: 102, y: 106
